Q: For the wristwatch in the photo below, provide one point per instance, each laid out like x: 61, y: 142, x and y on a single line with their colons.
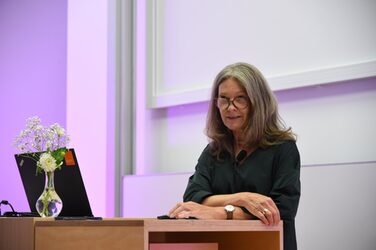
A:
x: 229, y: 211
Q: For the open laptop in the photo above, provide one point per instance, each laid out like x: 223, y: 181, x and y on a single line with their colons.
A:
x: 68, y: 185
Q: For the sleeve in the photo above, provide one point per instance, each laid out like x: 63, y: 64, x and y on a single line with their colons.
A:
x: 199, y: 187
x: 286, y: 181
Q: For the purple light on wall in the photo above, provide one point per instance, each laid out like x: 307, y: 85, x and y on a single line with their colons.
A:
x: 32, y: 78
x: 189, y: 117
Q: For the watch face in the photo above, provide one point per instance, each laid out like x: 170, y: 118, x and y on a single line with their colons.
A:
x: 229, y: 208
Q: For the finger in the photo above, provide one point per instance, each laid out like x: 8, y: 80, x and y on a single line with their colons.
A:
x: 183, y: 214
x: 274, y: 211
x: 272, y: 215
x: 276, y: 217
x: 173, y: 209
x: 263, y: 208
x: 269, y: 216
x: 251, y: 207
x: 179, y: 210
x: 257, y: 210
x: 176, y: 209
x: 259, y: 214
x: 262, y: 217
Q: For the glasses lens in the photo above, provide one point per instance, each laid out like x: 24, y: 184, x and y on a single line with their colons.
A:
x: 241, y: 102
x: 222, y: 103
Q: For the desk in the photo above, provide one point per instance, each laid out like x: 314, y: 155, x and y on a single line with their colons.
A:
x: 137, y: 234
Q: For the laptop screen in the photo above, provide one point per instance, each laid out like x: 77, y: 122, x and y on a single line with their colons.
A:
x: 68, y: 185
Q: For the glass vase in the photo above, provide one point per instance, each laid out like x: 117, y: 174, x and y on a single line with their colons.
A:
x: 49, y: 203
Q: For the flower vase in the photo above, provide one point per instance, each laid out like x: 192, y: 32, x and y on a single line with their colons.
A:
x: 49, y: 203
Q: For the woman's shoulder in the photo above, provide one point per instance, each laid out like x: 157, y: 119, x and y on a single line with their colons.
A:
x: 287, y: 148
x: 205, y: 154
x: 284, y: 146
x: 287, y: 144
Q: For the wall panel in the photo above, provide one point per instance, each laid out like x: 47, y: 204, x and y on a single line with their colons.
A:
x: 313, y: 42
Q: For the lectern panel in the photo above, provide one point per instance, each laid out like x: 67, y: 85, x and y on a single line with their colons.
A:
x: 267, y: 240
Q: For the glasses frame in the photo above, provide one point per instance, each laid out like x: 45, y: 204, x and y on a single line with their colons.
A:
x: 231, y: 101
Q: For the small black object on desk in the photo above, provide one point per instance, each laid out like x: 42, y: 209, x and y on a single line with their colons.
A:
x: 77, y: 218
x: 166, y: 217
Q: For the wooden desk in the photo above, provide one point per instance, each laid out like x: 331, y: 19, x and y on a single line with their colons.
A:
x: 137, y: 234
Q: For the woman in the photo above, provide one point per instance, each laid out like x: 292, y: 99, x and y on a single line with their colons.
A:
x: 251, y: 167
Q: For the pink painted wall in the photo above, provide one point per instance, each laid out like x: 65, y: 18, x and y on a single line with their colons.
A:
x: 32, y: 78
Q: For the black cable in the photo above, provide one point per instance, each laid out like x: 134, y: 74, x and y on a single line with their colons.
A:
x: 5, y: 202
x: 14, y: 213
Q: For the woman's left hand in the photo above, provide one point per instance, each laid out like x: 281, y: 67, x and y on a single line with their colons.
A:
x: 188, y: 209
x: 261, y: 206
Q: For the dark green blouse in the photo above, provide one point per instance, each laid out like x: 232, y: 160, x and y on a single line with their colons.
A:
x: 274, y: 172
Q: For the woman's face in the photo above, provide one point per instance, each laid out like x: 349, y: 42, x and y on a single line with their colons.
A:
x: 233, y: 104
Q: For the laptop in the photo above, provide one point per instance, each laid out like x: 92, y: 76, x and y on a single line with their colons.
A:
x: 68, y: 185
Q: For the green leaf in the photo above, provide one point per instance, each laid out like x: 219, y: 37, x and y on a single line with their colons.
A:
x: 59, y: 155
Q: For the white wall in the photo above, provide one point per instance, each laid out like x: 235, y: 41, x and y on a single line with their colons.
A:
x: 293, y: 43
x: 164, y: 135
x: 336, y: 207
x: 329, y: 121
x: 334, y: 122
x: 335, y: 212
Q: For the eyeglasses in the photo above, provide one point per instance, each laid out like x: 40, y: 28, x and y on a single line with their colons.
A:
x: 240, y: 102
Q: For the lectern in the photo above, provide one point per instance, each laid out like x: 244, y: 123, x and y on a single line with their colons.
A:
x: 153, y: 234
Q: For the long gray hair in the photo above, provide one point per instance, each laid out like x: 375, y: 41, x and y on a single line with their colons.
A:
x: 264, y: 127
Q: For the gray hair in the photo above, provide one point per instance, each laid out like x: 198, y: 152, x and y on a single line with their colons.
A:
x: 264, y: 127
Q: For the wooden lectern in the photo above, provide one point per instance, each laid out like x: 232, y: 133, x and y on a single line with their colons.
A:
x: 138, y: 234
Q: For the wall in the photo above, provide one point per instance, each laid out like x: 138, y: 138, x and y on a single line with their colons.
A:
x: 32, y: 79
x: 313, y: 43
x: 335, y: 195
x: 91, y: 97
x: 57, y: 61
x: 326, y: 118
x: 330, y: 214
x: 332, y: 122
x: 332, y: 117
x: 160, y: 133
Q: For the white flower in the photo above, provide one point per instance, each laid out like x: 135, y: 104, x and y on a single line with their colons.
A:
x: 47, y: 162
x: 37, y: 138
x: 59, y: 131
x: 32, y: 122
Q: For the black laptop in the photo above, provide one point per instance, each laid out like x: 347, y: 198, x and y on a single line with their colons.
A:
x: 68, y: 185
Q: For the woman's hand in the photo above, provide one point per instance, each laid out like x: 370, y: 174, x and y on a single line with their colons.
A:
x: 261, y: 206
x: 192, y: 209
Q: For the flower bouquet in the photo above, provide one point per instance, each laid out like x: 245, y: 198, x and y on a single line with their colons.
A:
x: 47, y: 146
